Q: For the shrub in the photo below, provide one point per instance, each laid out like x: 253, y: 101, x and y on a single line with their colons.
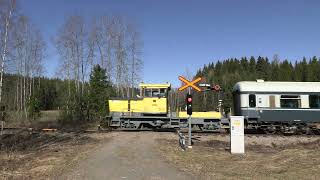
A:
x: 33, y: 108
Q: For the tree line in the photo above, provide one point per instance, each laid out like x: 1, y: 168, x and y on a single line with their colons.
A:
x: 229, y: 71
x: 113, y: 42
x: 86, y: 45
x: 22, y: 54
x: 109, y: 44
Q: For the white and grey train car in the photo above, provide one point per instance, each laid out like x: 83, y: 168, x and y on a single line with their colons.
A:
x: 287, y: 107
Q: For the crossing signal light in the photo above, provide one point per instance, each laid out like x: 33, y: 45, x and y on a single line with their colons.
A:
x: 216, y: 87
x: 189, y: 104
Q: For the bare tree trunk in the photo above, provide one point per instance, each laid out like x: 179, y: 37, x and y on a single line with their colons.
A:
x: 16, y: 107
x: 4, y: 53
x: 24, y: 96
x: 39, y: 83
x: 132, y: 72
x: 21, y: 93
x: 136, y: 63
x: 31, y: 84
x: 109, y: 63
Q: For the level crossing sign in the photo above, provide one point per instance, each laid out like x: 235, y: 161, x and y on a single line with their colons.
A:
x: 188, y: 83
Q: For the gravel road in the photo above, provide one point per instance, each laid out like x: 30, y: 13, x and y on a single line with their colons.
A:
x: 129, y: 155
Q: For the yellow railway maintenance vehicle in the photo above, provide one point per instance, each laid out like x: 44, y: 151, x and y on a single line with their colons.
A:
x: 151, y: 110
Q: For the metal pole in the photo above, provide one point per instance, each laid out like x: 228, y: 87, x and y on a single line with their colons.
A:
x: 189, y: 120
x: 190, y: 145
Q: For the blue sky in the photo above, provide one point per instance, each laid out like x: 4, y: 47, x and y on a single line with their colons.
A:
x: 186, y: 34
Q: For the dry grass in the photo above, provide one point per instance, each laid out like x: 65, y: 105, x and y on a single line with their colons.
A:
x: 49, y: 116
x: 42, y: 156
x: 265, y: 158
x: 18, y: 119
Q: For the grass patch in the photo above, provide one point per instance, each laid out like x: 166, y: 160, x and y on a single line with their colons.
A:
x: 34, y: 156
x: 50, y: 115
x: 207, y: 160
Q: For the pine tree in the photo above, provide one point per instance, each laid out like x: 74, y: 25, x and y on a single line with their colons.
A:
x: 286, y: 71
x: 99, y: 93
x: 252, y: 68
x: 262, y: 68
x: 314, y: 69
x: 306, y: 73
x: 275, y: 70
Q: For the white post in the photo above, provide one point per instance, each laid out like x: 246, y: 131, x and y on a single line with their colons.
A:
x: 190, y: 141
x: 237, y: 134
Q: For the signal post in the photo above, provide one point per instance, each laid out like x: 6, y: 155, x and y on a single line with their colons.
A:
x: 189, y: 85
x: 189, y: 112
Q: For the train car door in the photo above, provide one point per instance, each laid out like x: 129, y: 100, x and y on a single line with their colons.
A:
x: 262, y: 101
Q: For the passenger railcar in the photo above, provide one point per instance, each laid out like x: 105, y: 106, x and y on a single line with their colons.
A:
x: 287, y: 107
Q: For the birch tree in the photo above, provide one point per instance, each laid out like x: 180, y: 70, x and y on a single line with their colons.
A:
x: 75, y: 49
x: 118, y: 38
x: 109, y: 41
x: 102, y: 33
x: 27, y: 57
x: 134, y: 53
x: 6, y: 14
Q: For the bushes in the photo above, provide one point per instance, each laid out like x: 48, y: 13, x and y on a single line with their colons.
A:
x: 89, y: 105
x: 33, y: 108
x: 75, y: 112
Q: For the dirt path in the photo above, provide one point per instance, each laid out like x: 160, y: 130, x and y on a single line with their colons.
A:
x: 129, y: 155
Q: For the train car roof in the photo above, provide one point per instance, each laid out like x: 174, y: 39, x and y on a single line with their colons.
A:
x: 147, y: 86
x: 277, y: 86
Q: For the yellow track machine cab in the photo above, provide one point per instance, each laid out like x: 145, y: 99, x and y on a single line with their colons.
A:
x: 150, y: 110
x: 153, y: 100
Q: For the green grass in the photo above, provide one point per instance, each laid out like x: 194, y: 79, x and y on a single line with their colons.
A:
x: 50, y: 115
x: 17, y: 119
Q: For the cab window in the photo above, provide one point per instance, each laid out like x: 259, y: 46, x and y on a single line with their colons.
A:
x: 162, y: 92
x: 147, y: 92
x: 155, y: 92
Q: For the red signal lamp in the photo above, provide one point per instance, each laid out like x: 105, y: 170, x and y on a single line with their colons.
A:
x: 189, y: 99
x: 216, y: 87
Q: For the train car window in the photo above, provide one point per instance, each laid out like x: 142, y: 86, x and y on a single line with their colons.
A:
x: 290, y: 101
x: 147, y: 93
x: 314, y: 101
x: 155, y: 92
x: 252, y: 100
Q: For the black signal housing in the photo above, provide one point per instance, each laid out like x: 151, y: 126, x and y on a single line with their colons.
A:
x: 189, y: 104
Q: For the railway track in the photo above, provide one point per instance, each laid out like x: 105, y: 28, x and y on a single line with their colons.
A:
x: 15, y: 130
x: 255, y: 134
